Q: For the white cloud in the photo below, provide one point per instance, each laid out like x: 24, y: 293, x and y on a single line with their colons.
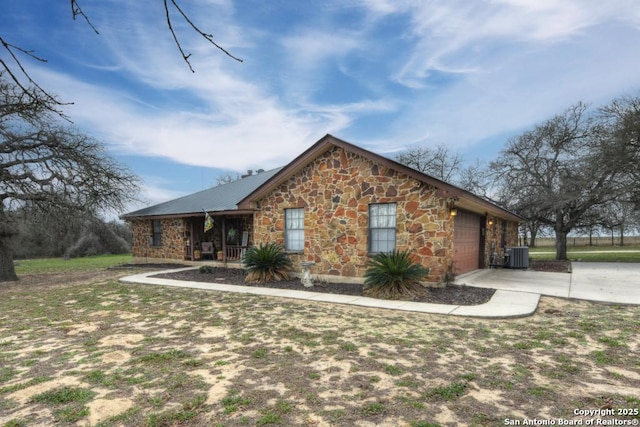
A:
x: 453, y: 36
x: 236, y: 124
x: 454, y: 72
x: 482, y: 69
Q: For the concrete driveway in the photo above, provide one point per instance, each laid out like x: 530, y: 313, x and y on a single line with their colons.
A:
x: 594, y: 281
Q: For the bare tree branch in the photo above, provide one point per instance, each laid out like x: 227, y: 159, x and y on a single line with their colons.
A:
x: 38, y: 94
x: 208, y: 37
x: 438, y: 162
x: 76, y: 11
x: 51, y: 168
x: 558, y: 172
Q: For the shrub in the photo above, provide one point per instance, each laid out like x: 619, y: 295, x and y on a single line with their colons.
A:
x: 266, y: 263
x: 206, y: 269
x: 393, y: 276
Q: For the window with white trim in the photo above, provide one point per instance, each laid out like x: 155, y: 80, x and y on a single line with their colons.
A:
x: 294, y: 230
x: 382, y: 227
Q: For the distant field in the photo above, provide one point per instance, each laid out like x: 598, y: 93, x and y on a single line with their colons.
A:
x: 629, y: 253
x: 60, y: 265
x: 598, y: 241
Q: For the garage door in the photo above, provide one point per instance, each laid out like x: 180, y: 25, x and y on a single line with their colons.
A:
x: 466, y: 242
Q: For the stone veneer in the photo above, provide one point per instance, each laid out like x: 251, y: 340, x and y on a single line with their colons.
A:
x: 335, y: 191
x: 173, y: 243
x: 494, y: 234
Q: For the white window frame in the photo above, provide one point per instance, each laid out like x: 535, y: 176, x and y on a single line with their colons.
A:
x: 294, y: 230
x: 382, y: 227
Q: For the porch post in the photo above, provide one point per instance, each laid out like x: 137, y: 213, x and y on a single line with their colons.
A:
x: 191, y: 236
x: 224, y: 241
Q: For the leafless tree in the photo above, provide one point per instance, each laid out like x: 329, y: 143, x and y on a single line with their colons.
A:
x: 51, y: 167
x: 621, y: 129
x: 438, y: 162
x: 227, y: 178
x: 13, y: 66
x: 558, y: 171
x: 474, y: 178
x: 617, y: 216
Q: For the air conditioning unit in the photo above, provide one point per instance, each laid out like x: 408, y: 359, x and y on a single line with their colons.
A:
x: 518, y: 257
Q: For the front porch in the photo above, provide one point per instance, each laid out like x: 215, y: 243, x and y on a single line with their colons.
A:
x: 226, y: 242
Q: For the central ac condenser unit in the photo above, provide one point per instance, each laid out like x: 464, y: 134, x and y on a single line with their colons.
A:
x: 518, y: 257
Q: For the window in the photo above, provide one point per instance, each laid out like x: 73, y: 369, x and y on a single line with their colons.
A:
x: 156, y: 236
x: 294, y: 230
x: 382, y: 227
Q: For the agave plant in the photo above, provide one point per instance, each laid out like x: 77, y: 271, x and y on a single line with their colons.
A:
x: 393, y: 275
x: 266, y: 263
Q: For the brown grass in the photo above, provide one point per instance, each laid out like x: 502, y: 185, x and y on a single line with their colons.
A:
x: 144, y: 355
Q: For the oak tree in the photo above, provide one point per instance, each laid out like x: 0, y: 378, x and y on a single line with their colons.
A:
x: 50, y: 166
x: 559, y: 171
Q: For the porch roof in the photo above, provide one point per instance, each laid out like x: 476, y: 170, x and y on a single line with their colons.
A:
x: 222, y: 198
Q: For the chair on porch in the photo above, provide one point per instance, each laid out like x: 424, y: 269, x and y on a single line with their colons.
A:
x: 206, y: 249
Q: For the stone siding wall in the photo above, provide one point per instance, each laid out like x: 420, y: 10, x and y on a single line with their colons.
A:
x: 173, y: 243
x: 335, y: 191
x: 494, y: 237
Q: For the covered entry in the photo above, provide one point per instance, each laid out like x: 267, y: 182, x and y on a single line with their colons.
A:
x: 226, y: 241
x: 467, y: 241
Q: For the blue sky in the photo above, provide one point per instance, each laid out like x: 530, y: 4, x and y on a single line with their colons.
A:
x: 383, y: 74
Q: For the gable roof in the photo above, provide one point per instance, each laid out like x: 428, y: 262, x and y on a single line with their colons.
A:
x: 222, y: 198
x: 463, y: 198
x: 242, y: 195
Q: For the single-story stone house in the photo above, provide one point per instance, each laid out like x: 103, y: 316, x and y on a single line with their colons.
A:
x: 335, y: 205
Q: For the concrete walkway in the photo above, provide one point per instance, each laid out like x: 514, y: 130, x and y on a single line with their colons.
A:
x: 504, y: 303
x: 594, y: 281
x: 517, y: 292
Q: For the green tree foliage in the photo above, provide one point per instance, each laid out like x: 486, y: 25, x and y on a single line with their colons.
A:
x: 393, y: 275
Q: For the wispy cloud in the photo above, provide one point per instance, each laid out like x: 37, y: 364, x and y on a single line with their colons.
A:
x: 482, y: 69
x: 381, y: 73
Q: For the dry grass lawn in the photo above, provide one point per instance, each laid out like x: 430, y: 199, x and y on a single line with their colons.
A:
x: 88, y: 350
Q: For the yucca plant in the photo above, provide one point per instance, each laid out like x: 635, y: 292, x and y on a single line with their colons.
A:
x: 266, y: 263
x: 393, y: 275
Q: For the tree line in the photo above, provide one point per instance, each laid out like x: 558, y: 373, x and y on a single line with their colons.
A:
x: 52, y: 234
x: 577, y: 171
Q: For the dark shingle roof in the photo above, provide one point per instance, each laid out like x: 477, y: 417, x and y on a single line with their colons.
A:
x: 221, y: 198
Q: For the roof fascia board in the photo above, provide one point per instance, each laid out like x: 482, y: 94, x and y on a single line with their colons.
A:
x: 188, y: 215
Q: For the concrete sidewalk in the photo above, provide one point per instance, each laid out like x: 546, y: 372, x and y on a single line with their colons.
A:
x: 504, y: 303
x: 517, y: 291
x: 603, y: 282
